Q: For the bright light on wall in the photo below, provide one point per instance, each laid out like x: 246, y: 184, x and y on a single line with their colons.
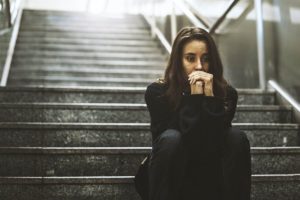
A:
x: 295, y: 15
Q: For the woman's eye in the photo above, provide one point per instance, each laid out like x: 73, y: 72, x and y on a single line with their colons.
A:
x: 190, y: 58
x: 204, y: 59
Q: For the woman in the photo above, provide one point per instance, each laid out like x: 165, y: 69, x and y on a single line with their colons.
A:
x: 195, y: 152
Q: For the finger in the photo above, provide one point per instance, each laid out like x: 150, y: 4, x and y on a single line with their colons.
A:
x: 200, y: 72
x: 202, y: 77
x: 194, y: 80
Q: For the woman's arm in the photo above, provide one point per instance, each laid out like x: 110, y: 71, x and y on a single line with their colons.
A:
x: 230, y: 105
x: 160, y: 113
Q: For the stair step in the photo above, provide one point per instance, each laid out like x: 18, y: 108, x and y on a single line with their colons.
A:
x: 89, y: 25
x: 83, y: 17
x: 30, y: 19
x: 75, y: 14
x: 115, y: 113
x: 89, y: 29
x: 79, y: 81
x: 96, y: 56
x: 119, y: 161
x: 125, y: 134
x: 84, y: 72
x: 42, y: 34
x: 90, y: 41
x: 73, y: 47
x: 108, y: 94
x: 104, y: 64
x: 275, y: 186
x: 137, y: 20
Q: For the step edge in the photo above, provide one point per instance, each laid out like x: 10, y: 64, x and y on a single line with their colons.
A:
x: 122, y: 179
x: 69, y: 125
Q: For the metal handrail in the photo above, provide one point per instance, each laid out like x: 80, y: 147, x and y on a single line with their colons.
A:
x: 4, y: 31
x: 189, y: 14
x: 14, y: 11
x: 160, y: 35
x: 7, y: 12
x: 200, y: 17
x: 286, y: 98
x: 11, y: 46
x: 11, y: 13
x: 223, y: 17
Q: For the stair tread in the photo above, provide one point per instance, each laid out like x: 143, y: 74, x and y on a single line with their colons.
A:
x: 77, y: 125
x: 120, y: 179
x: 72, y: 47
x: 92, y: 62
x: 124, y: 150
x: 130, y: 105
x: 110, y: 89
x: 85, y: 70
x: 69, y: 78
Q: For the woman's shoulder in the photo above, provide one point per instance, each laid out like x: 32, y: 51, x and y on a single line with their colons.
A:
x: 156, y: 88
x: 158, y: 85
x: 231, y: 92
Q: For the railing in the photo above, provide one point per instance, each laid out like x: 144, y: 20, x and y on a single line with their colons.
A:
x: 10, y: 10
x: 223, y: 17
x: 15, y: 11
x: 283, y: 97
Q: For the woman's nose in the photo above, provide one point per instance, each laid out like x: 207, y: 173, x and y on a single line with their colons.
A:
x: 198, y: 65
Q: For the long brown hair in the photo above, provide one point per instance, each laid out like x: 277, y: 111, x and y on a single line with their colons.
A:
x: 175, y: 76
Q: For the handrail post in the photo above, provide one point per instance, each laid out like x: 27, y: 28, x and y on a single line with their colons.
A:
x: 260, y: 44
x: 173, y: 22
x: 7, y: 7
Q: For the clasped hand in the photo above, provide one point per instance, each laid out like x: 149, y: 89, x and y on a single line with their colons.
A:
x: 201, y: 83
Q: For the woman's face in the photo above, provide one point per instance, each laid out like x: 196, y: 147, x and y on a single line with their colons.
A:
x: 195, y: 56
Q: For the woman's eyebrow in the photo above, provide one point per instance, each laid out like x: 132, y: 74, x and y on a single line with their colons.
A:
x: 190, y: 53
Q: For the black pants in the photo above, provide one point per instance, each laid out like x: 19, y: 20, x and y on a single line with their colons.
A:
x: 169, y: 169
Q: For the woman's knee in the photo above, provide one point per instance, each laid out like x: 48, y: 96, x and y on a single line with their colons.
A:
x: 237, y: 140
x: 169, y: 140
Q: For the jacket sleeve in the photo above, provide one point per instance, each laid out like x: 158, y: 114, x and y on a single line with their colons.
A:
x: 230, y: 106
x: 159, y: 110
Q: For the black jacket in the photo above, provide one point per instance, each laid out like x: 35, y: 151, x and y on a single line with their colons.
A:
x: 200, y: 119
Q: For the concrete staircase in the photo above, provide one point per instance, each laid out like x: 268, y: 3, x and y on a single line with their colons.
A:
x: 73, y: 49
x: 85, y: 142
